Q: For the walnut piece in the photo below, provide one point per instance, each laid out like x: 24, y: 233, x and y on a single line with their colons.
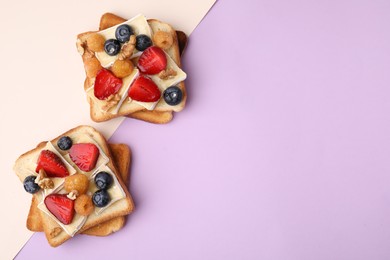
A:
x: 166, y: 74
x: 55, y: 232
x: 127, y: 49
x: 43, y: 181
x: 111, y: 101
x: 73, y: 194
x: 46, y: 183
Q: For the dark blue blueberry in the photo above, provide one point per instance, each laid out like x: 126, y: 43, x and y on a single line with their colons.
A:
x: 173, y: 95
x: 112, y: 47
x: 29, y: 184
x: 103, y: 180
x: 123, y: 33
x: 101, y: 198
x: 142, y: 42
x: 65, y: 143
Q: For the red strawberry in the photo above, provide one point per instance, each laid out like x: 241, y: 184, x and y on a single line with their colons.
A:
x: 152, y: 60
x: 52, y: 164
x: 145, y: 90
x: 106, y: 84
x: 61, y: 207
x: 84, y: 155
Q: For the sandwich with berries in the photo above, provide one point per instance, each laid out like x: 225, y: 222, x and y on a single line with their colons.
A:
x: 122, y: 159
x: 75, y: 183
x: 133, y: 69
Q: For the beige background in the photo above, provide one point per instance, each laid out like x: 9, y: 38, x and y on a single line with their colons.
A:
x: 41, y: 83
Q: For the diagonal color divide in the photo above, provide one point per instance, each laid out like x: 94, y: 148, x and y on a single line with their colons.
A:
x: 298, y: 168
x: 42, y: 80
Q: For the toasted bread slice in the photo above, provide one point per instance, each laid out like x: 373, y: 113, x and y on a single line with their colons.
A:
x: 108, y: 20
x: 55, y: 232
x: 122, y: 158
x: 162, y: 113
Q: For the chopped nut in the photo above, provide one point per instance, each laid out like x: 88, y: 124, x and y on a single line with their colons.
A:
x: 73, y: 194
x: 166, y: 74
x: 111, y: 101
x: 42, y: 173
x: 41, y: 176
x: 46, y: 183
x: 55, y: 232
x: 127, y: 49
x: 37, y: 179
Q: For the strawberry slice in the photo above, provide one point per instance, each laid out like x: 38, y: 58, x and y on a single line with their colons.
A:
x: 106, y: 84
x: 84, y: 155
x: 145, y: 90
x: 52, y: 164
x: 61, y: 207
x: 152, y: 61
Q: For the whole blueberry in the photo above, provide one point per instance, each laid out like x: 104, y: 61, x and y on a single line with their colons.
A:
x: 112, y: 47
x: 142, y: 42
x: 173, y: 95
x: 123, y: 33
x: 103, y: 180
x: 101, y: 198
x: 65, y: 143
x: 29, y: 184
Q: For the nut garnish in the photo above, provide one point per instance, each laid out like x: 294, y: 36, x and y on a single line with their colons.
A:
x: 127, y: 49
x: 46, y: 183
x: 43, y: 181
x: 167, y: 73
x: 73, y: 194
x: 55, y: 232
x: 111, y: 101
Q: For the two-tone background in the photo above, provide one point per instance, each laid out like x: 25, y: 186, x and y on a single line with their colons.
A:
x: 281, y: 153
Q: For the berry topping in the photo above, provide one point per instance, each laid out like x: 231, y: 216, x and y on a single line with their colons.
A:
x: 163, y: 39
x: 122, y: 68
x: 61, y: 207
x: 52, y: 164
x: 173, y: 95
x: 83, y: 205
x: 103, y: 180
x: 106, y: 84
x: 152, y: 60
x: 101, y: 198
x: 142, y: 42
x: 112, y: 47
x: 84, y: 155
x: 29, y: 184
x: 64, y: 143
x: 123, y: 33
x: 145, y: 90
x: 78, y: 182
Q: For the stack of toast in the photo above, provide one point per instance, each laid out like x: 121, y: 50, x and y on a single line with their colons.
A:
x: 77, y: 180
x: 102, y: 221
x: 159, y: 111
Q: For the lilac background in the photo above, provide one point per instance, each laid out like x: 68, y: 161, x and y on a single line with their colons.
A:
x: 282, y: 151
